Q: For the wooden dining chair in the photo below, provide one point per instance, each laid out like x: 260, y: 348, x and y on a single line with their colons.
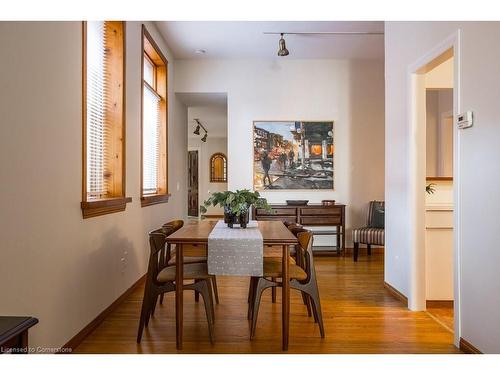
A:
x: 192, y: 254
x: 303, y: 278
x: 161, y: 279
x: 295, y: 253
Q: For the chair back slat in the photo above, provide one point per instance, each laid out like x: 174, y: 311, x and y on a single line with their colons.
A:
x: 305, y: 242
x: 174, y: 224
x: 157, y: 241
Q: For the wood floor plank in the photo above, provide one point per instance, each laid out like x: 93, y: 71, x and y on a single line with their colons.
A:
x: 360, y: 316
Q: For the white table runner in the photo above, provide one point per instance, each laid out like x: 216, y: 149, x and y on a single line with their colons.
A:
x: 235, y: 251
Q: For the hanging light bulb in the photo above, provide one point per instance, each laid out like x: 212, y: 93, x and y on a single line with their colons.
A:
x: 204, y: 139
x: 282, y: 47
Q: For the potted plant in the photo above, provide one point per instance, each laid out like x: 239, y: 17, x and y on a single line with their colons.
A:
x: 236, y: 205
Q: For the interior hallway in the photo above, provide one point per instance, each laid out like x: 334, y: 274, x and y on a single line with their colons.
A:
x: 360, y: 317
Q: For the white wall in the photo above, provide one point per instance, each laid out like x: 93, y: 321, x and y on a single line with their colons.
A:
x: 351, y: 93
x: 477, y: 180
x: 53, y: 264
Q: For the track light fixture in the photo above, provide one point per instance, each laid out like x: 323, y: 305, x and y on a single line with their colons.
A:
x: 282, y: 51
x: 197, y: 130
x: 282, y: 47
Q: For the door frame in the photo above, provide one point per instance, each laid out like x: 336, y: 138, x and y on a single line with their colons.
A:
x: 195, y: 148
x: 416, y: 168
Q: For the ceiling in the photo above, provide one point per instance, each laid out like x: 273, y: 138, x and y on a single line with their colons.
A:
x: 245, y: 39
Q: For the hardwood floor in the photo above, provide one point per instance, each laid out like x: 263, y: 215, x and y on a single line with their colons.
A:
x: 443, y: 315
x: 359, y: 313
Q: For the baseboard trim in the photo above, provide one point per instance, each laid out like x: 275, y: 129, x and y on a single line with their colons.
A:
x: 89, y: 328
x: 396, y: 293
x: 468, y: 348
x: 436, y: 304
x: 214, y: 216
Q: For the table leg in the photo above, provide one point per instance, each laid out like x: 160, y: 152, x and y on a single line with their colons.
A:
x: 339, y: 246
x: 179, y: 280
x: 343, y: 239
x: 285, y: 299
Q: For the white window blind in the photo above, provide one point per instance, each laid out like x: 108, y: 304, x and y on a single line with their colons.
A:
x: 151, y: 140
x: 97, y: 124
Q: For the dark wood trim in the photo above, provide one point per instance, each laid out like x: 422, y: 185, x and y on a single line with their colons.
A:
x: 436, y: 304
x: 150, y: 200
x: 213, y: 216
x: 89, y: 328
x: 396, y: 293
x: 439, y: 178
x: 468, y: 348
x: 104, y: 206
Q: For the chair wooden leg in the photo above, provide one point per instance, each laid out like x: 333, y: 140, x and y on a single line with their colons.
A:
x: 196, y: 294
x: 161, y: 298
x: 316, y: 306
x: 251, y: 296
x: 144, y: 313
x: 355, y: 251
x: 209, y: 287
x: 369, y: 248
x: 213, y: 280
x: 260, y: 286
x: 273, y: 292
x: 206, y: 292
x: 153, y: 305
x: 305, y: 299
x: 250, y: 286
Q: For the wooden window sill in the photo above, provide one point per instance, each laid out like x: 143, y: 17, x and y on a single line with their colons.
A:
x: 149, y: 200
x: 100, y: 207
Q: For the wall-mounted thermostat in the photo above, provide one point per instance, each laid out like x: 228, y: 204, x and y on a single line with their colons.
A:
x: 464, y: 120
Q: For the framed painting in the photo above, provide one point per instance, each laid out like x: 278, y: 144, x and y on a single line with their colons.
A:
x: 293, y: 155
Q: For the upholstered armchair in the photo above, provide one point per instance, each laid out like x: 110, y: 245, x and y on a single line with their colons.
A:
x: 373, y: 233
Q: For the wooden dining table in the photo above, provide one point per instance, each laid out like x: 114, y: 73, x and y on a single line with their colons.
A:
x: 274, y: 233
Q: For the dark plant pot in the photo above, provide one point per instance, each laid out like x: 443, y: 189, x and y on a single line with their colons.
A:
x: 230, y: 218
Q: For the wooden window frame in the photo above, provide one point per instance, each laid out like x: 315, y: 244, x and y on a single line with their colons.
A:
x: 150, y: 49
x: 117, y: 201
x: 212, y: 179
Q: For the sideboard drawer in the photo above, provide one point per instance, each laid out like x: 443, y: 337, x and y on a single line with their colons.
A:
x: 276, y: 218
x: 277, y: 212
x: 321, y: 220
x: 321, y: 211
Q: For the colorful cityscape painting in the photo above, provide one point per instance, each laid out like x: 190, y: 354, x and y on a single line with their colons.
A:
x: 293, y: 155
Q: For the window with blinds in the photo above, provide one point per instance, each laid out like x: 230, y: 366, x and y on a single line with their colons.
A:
x: 154, y: 123
x: 103, y: 112
x: 151, y: 139
x: 97, y: 120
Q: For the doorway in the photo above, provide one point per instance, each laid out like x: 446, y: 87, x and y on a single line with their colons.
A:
x: 208, y: 161
x: 424, y: 217
x: 193, y: 184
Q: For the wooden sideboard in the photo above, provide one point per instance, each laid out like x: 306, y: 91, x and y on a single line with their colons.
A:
x: 14, y: 333
x: 311, y: 215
